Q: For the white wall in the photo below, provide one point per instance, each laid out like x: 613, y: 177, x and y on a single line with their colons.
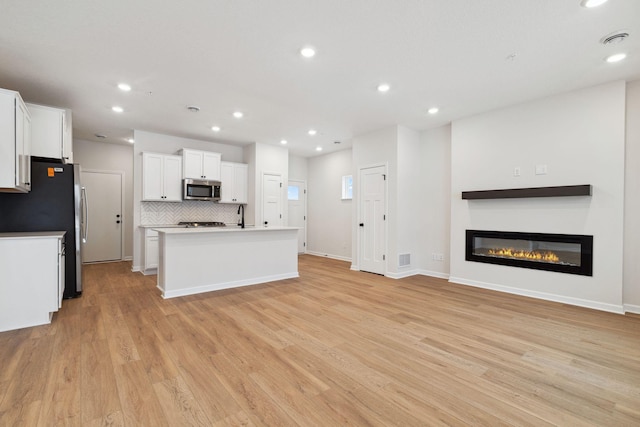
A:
x: 167, y: 144
x: 632, y: 200
x: 373, y: 149
x: 111, y: 157
x: 298, y: 167
x: 408, y: 207
x: 433, y: 190
x: 580, y: 137
x: 329, y: 217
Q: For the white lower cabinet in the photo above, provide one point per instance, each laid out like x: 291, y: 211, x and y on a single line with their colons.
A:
x: 150, y: 250
x: 31, y: 278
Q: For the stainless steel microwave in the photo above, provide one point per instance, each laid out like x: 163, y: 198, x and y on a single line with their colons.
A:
x: 200, y: 189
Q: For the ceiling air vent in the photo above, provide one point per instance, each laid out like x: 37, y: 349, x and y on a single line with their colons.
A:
x: 614, y: 38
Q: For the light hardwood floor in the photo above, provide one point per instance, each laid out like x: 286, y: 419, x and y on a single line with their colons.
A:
x: 334, y: 347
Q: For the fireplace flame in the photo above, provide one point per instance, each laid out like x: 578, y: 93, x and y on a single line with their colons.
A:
x: 546, y: 256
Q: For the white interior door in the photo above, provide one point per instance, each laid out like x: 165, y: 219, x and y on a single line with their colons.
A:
x: 372, y: 219
x: 297, y: 211
x: 104, y: 206
x: 271, y: 199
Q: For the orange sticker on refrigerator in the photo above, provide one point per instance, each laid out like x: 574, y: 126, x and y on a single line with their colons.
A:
x: 50, y: 172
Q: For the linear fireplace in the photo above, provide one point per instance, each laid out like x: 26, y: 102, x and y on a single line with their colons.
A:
x: 564, y: 253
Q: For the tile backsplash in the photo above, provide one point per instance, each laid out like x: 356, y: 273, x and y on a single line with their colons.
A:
x: 162, y: 213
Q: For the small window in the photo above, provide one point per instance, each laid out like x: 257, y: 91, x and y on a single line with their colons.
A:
x: 293, y: 193
x: 347, y: 187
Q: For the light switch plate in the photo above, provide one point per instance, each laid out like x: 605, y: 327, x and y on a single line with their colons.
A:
x: 541, y: 169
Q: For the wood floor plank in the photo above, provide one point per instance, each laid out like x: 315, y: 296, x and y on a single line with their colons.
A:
x: 29, y: 378
x: 140, y: 405
x: 115, y: 419
x: 332, y: 347
x: 178, y: 404
x: 61, y: 398
x: 100, y: 399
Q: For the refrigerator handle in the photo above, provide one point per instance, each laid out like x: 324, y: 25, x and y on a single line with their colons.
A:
x: 85, y: 216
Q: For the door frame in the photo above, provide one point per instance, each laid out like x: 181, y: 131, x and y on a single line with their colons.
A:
x: 385, y: 166
x: 122, y: 207
x: 283, y: 183
x: 304, y: 186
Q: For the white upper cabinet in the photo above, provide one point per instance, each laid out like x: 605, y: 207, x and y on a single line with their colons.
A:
x: 51, y: 132
x: 161, y: 177
x: 233, y: 187
x: 198, y: 164
x: 15, y: 143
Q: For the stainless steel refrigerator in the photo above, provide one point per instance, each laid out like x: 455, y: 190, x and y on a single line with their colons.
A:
x: 56, y: 202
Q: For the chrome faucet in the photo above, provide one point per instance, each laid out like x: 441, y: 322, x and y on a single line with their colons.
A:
x: 241, y: 208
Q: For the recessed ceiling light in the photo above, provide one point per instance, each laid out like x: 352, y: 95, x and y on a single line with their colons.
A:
x: 433, y: 110
x: 318, y: 148
x: 238, y: 114
x: 592, y: 3
x: 283, y: 141
x: 616, y: 58
x: 216, y: 128
x: 312, y: 132
x: 383, y: 87
x: 130, y: 140
x: 308, y: 52
x: 117, y: 109
x: 124, y: 87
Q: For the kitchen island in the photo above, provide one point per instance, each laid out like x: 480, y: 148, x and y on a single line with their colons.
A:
x: 197, y: 260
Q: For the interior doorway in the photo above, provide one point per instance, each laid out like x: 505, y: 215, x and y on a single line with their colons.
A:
x: 271, y: 199
x: 104, y: 191
x: 297, y: 211
x: 371, y: 226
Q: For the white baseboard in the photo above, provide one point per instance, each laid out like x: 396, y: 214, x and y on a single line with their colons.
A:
x: 631, y: 308
x: 354, y: 267
x: 338, y: 257
x: 228, y: 285
x: 127, y: 258
x: 612, y: 308
x: 436, y: 274
x: 135, y: 268
x: 402, y: 274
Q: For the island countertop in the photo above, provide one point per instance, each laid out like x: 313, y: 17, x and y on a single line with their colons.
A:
x: 227, y: 229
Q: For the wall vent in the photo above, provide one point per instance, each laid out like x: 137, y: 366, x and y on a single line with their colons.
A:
x: 404, y: 260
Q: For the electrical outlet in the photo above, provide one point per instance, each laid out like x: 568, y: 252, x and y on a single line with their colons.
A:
x: 516, y: 171
x: 541, y: 169
x: 440, y: 257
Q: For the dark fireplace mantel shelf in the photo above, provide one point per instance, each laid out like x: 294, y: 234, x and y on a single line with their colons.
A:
x: 519, y: 193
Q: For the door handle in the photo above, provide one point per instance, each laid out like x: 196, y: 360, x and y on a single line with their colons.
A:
x: 85, y: 204
x: 117, y: 216
x: 118, y: 222
x: 362, y: 224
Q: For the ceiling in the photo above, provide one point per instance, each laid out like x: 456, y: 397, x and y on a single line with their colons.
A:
x: 463, y: 56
